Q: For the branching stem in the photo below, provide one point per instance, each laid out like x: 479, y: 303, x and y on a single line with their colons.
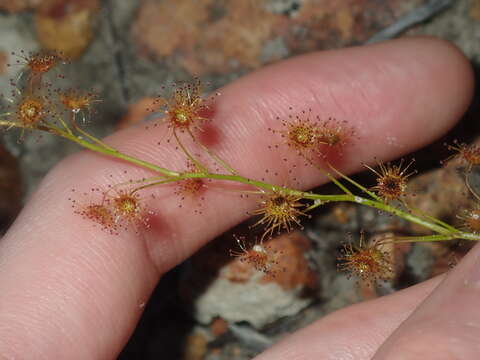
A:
x: 443, y: 231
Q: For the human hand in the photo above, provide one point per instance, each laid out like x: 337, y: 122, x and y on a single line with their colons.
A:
x: 69, y: 290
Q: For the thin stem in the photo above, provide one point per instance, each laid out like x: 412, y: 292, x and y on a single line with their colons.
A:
x: 87, y: 135
x: 403, y: 214
x: 328, y: 175
x: 166, y: 181
x: 53, y: 129
x: 118, y: 154
x: 65, y: 126
x: 469, y: 187
x: 428, y: 238
x: 445, y: 232
x: 431, y: 218
x: 197, y: 163
x: 353, y: 182
x: 315, y: 204
x: 10, y: 124
x: 143, y: 180
x: 223, y: 163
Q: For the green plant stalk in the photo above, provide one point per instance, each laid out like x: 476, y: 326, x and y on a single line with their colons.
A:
x: 444, y: 232
x: 323, y: 198
x: 187, y: 153
x: 109, y: 151
x: 212, y: 155
x: 427, y: 238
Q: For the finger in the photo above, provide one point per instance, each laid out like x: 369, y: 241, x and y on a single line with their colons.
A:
x: 63, y: 280
x: 447, y: 324
x: 355, y: 332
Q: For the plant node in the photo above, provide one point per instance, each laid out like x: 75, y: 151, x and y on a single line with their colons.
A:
x: 279, y: 211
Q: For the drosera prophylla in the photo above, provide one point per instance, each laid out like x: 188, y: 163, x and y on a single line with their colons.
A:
x: 128, y: 208
x: 300, y: 133
x: 334, y: 135
x: 279, y: 211
x: 27, y: 111
x: 30, y: 111
x: 367, y: 260
x: 191, y: 188
x: 470, y: 219
x: 259, y: 255
x: 37, y: 64
x: 391, y: 179
x: 114, y: 209
x: 97, y: 211
x: 469, y: 154
x: 312, y: 138
x: 76, y: 101
x: 186, y: 110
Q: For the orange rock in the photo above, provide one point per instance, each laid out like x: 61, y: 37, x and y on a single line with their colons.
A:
x: 66, y: 25
x: 185, y: 28
x: 164, y: 26
x: 475, y: 10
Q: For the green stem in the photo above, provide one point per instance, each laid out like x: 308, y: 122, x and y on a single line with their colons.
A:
x: 403, y: 214
x: 197, y: 163
x: 353, y: 182
x: 330, y: 177
x: 117, y: 154
x: 212, y: 154
x: 431, y: 218
x: 160, y: 182
x: 93, y: 138
x: 444, y: 232
x: 428, y: 238
x: 316, y: 204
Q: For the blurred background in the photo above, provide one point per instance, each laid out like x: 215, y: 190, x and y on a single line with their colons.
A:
x: 127, y: 49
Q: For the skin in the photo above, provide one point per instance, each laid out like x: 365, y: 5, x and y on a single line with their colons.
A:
x: 69, y: 290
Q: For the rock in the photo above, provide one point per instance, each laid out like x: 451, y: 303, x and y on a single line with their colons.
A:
x: 66, y: 25
x: 441, y: 193
x: 236, y: 291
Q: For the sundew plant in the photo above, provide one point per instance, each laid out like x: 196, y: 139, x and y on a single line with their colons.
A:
x: 180, y: 118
